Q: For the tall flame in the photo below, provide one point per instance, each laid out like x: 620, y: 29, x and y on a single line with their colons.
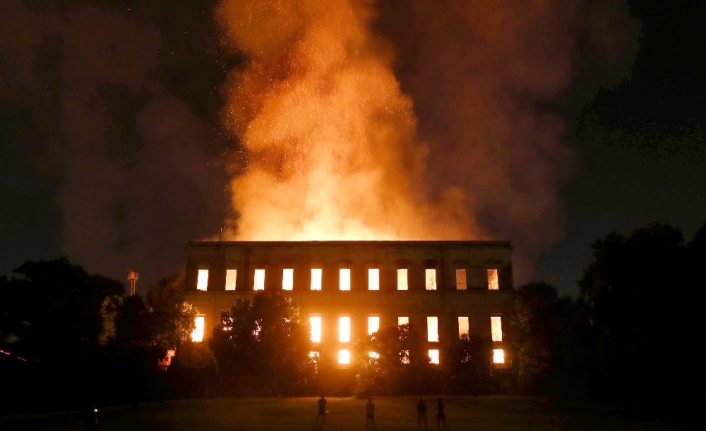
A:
x: 331, y: 141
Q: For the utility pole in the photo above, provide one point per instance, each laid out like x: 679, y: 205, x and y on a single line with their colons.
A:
x: 132, y: 278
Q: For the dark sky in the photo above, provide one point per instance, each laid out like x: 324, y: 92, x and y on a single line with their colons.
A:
x: 111, y: 149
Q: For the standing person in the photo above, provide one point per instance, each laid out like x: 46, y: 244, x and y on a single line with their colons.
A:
x: 370, y: 416
x: 322, y: 411
x: 422, y: 413
x: 440, y: 416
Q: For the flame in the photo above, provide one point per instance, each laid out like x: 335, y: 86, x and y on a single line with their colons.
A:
x: 330, y: 139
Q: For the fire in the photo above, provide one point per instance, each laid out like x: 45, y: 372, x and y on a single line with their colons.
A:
x: 330, y: 139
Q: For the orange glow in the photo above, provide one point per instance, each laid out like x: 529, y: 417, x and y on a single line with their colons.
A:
x: 344, y: 356
x: 316, y: 279
x: 434, y: 356
x: 498, y: 356
x: 373, y: 279
x: 344, y: 329
x: 344, y: 282
x: 231, y: 276
x: 461, y: 283
x: 496, y: 328
x: 462, y: 325
x: 402, y: 320
x: 430, y: 275
x: 402, y: 279
x: 373, y: 324
x: 202, y: 281
x: 287, y: 279
x: 315, y: 322
x: 259, y: 280
x: 200, y: 325
x: 404, y: 356
x: 432, y: 328
x: 373, y: 355
x: 493, y: 279
x: 331, y: 141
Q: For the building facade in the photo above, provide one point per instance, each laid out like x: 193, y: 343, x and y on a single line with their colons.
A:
x: 348, y: 289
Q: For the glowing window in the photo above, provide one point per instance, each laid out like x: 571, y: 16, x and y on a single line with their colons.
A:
x: 462, y: 325
x: 202, y: 281
x: 316, y: 279
x: 402, y: 320
x: 197, y: 334
x: 434, y: 356
x: 344, y: 329
x: 430, y: 275
x: 493, y: 279
x: 461, y: 283
x: 344, y: 280
x: 374, y: 355
x: 402, y: 279
x: 404, y: 356
x: 259, y: 280
x: 432, y: 328
x: 498, y: 356
x: 496, y: 328
x: 373, y: 324
x: 287, y: 279
x: 231, y: 275
x: 315, y: 322
x: 314, y: 356
x: 344, y: 356
x: 373, y: 279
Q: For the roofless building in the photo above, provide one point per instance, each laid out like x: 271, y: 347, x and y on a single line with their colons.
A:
x: 348, y: 289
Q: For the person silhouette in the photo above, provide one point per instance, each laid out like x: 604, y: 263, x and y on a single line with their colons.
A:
x: 440, y: 416
x: 370, y: 413
x: 322, y: 411
x: 422, y: 413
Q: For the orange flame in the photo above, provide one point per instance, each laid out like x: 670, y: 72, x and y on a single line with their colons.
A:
x: 331, y: 141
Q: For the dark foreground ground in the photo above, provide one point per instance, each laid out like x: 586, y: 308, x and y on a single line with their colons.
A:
x: 392, y: 414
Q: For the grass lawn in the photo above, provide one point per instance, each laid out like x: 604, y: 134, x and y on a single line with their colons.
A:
x: 392, y: 414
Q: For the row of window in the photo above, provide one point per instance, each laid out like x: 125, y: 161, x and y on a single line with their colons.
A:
x: 344, y: 279
x: 344, y: 356
x: 344, y: 327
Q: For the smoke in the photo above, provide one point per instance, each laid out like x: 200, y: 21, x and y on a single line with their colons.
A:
x: 334, y: 149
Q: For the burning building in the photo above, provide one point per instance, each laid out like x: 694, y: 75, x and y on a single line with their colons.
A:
x: 346, y: 290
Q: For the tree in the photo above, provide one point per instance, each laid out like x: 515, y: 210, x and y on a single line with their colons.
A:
x: 641, y: 314
x: 264, y: 338
x: 546, y: 348
x: 171, y: 318
x: 468, y: 365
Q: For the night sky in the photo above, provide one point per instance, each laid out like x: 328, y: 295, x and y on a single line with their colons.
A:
x: 112, y: 149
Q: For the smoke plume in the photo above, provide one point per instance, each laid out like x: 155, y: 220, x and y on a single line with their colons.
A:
x: 333, y: 146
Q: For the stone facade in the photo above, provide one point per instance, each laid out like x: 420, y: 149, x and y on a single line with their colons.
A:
x: 437, y: 265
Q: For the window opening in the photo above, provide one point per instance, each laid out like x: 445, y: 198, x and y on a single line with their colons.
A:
x: 498, y: 356
x: 259, y: 280
x: 200, y: 325
x: 402, y: 279
x: 202, y: 281
x: 315, y: 323
x: 231, y: 275
x: 402, y: 320
x: 344, y: 357
x: 287, y: 279
x: 493, y: 279
x: 461, y: 283
x: 496, y: 328
x: 373, y: 279
x: 462, y: 326
x: 373, y: 324
x: 430, y: 275
x: 316, y: 279
x: 434, y: 356
x: 344, y: 279
x: 432, y: 328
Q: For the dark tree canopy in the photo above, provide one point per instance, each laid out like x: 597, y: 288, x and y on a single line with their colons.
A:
x: 263, y: 339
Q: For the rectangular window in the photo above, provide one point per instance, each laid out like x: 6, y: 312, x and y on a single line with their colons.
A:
x: 430, y: 275
x: 432, y: 328
x: 344, y: 329
x: 461, y: 283
x: 434, y: 356
x: 344, y: 357
x: 231, y: 276
x: 197, y: 334
x: 287, y: 279
x: 404, y: 356
x: 373, y: 324
x: 498, y: 356
x: 373, y: 355
x: 402, y: 279
x: 373, y: 279
x: 259, y: 280
x: 316, y: 279
x: 402, y: 320
x: 314, y: 356
x: 344, y: 279
x: 496, y: 328
x: 315, y: 322
x: 493, y: 279
x: 462, y: 325
x: 202, y: 281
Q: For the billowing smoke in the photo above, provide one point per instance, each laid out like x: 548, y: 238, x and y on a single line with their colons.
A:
x: 333, y: 147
